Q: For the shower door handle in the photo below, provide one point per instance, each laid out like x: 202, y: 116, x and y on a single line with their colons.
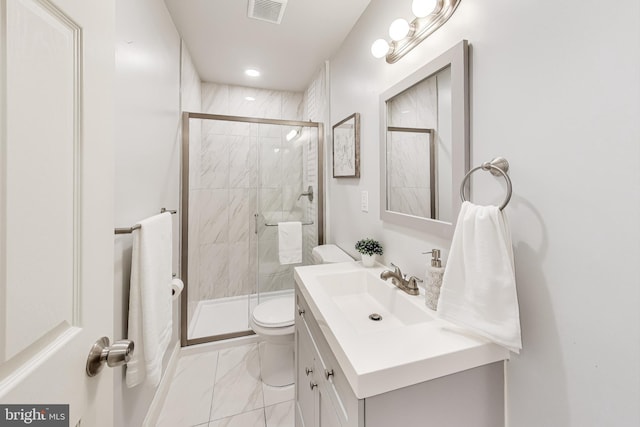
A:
x: 255, y: 222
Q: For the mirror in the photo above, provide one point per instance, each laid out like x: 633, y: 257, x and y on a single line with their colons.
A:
x: 424, y: 150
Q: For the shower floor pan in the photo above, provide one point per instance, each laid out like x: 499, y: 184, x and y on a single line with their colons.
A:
x: 226, y: 315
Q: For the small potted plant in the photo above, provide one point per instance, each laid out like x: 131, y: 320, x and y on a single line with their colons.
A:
x: 369, y: 248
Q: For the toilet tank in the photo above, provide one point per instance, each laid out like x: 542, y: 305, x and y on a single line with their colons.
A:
x: 326, y: 254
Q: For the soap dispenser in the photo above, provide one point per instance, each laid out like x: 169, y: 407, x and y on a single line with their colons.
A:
x: 433, y: 281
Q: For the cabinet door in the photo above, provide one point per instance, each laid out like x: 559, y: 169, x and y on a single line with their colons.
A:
x: 328, y: 417
x: 305, y: 394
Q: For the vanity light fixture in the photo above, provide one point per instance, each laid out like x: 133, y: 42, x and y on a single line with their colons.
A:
x: 429, y: 16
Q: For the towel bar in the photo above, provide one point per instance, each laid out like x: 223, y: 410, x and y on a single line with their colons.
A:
x: 129, y: 230
x: 126, y: 230
x: 275, y: 225
x: 498, y: 166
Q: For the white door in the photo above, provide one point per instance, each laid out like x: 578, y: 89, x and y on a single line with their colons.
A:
x: 56, y: 208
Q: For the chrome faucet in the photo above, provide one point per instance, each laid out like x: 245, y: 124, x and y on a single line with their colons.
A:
x: 400, y: 280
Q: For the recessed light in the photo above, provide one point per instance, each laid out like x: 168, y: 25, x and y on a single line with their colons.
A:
x: 249, y: 98
x: 252, y: 72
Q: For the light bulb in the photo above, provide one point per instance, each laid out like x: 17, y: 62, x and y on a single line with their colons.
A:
x: 422, y: 8
x: 379, y: 48
x: 399, y: 29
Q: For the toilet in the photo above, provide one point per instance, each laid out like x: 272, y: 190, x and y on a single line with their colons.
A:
x: 273, y: 320
x: 327, y: 254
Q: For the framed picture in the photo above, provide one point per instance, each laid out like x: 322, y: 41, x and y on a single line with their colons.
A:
x: 346, y: 147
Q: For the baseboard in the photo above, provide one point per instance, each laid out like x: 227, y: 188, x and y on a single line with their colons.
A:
x: 157, y: 403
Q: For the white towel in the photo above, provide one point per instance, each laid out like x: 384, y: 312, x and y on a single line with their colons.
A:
x: 150, y: 315
x: 290, y: 242
x: 479, y: 286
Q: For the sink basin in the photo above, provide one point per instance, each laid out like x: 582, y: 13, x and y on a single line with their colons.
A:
x: 369, y: 304
x: 407, y: 346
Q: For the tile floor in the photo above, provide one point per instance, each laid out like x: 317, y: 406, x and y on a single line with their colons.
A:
x: 222, y: 388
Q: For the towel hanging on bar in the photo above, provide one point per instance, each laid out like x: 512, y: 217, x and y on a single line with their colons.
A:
x: 129, y: 230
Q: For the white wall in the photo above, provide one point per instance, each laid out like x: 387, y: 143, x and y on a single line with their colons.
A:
x: 190, y: 85
x: 147, y: 156
x: 555, y: 89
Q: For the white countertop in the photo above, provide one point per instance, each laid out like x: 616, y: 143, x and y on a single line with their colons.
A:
x: 376, y: 362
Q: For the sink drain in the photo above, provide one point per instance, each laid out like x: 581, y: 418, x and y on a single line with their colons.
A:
x: 375, y: 317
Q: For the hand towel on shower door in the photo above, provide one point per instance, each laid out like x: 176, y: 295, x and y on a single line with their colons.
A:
x: 290, y: 242
x: 150, y: 307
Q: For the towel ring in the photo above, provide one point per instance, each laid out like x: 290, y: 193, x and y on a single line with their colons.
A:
x: 498, y: 166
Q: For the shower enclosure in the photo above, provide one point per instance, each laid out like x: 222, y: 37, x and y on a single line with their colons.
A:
x: 241, y: 176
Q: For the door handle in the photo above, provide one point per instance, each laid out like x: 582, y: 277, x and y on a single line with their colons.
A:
x: 115, y: 355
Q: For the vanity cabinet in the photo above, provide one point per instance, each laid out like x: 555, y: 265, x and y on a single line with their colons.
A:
x: 314, y: 407
x: 324, y: 398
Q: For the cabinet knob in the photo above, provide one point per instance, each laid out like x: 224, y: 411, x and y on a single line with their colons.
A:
x: 328, y: 373
x: 308, y: 371
x: 313, y: 385
x: 301, y: 311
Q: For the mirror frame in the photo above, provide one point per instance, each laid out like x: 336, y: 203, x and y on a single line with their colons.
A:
x: 458, y: 59
x: 356, y: 145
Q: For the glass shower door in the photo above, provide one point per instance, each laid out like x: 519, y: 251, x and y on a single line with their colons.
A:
x: 241, y: 177
x: 287, y: 183
x: 221, y: 200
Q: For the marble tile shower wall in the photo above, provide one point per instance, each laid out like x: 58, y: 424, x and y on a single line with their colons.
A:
x: 409, y: 187
x: 309, y: 212
x: 237, y: 169
x: 195, y: 143
x: 315, y: 104
x: 414, y: 108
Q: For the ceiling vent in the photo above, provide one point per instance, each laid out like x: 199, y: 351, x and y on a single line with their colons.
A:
x: 267, y: 10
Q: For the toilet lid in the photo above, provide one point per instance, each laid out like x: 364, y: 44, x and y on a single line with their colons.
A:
x: 325, y: 254
x: 275, y: 313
